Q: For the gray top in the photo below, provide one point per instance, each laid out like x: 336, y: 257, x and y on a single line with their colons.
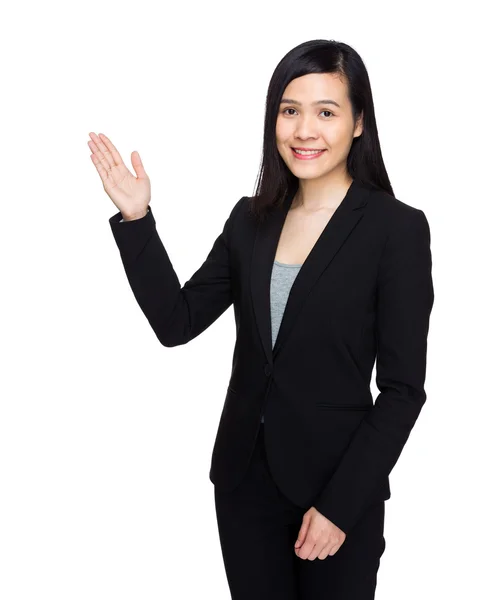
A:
x: 283, y: 276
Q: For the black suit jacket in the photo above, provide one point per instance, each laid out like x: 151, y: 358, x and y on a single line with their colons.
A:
x: 365, y: 292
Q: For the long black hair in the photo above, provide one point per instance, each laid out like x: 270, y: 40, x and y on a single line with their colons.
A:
x: 364, y: 161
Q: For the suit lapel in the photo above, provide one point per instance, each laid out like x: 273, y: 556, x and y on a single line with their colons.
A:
x: 339, y: 227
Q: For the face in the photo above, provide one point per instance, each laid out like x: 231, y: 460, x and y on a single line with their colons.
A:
x: 303, y: 122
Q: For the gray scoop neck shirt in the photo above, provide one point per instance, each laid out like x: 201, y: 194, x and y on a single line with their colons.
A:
x: 283, y: 276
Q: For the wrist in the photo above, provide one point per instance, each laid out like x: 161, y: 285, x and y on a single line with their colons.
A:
x: 135, y: 216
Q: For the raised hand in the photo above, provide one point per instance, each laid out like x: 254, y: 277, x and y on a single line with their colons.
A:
x: 131, y: 195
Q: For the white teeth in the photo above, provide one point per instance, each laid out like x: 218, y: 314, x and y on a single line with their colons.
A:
x: 307, y: 151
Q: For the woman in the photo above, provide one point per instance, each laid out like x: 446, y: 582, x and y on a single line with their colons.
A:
x: 327, y: 272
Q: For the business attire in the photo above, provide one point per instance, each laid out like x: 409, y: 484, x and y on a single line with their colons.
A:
x: 364, y: 292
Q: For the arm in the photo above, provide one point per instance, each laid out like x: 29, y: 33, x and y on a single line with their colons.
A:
x: 404, y: 301
x: 176, y: 314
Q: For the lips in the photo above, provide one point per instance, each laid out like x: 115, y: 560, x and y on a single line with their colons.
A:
x: 314, y: 153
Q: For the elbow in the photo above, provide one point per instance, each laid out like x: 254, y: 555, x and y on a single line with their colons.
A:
x: 171, y: 343
x: 171, y: 339
x: 175, y: 330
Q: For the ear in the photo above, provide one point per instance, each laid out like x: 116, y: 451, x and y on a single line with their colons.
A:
x: 358, y: 128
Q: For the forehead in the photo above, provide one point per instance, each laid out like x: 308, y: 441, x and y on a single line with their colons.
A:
x: 317, y: 86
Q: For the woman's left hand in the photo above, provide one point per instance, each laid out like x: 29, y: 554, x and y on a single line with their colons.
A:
x: 318, y: 536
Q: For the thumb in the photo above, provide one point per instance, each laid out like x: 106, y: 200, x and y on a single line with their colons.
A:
x: 302, y: 533
x: 138, y: 165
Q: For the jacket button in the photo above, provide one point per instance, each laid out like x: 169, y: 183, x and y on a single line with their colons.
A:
x: 268, y: 370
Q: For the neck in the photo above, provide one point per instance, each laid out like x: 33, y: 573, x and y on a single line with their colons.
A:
x: 317, y: 194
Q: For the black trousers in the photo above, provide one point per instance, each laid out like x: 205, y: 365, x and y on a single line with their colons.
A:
x: 258, y: 528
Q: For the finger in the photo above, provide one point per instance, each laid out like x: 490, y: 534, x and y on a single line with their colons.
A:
x: 306, y: 549
x: 302, y: 533
x: 325, y: 552
x: 315, y: 552
x: 100, y: 168
x: 334, y: 548
x: 112, y: 149
x: 99, y: 149
x: 138, y: 165
x: 102, y: 146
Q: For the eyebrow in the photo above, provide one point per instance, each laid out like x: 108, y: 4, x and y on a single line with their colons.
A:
x: 290, y: 101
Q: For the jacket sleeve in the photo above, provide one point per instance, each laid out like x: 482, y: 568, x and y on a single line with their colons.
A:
x: 176, y: 314
x: 404, y: 302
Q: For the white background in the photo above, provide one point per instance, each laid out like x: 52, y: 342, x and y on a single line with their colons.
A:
x: 105, y: 435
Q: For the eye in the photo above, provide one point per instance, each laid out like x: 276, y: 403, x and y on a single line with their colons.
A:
x: 326, y: 111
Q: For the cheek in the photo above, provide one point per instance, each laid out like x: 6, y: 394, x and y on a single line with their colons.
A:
x: 282, y: 132
x: 337, y: 139
x: 343, y: 134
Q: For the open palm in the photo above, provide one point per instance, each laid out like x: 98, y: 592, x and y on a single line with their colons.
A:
x: 131, y: 195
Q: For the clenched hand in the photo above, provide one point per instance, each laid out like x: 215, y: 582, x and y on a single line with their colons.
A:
x: 318, y: 537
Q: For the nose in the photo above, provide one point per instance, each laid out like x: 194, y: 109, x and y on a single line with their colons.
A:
x: 306, y: 128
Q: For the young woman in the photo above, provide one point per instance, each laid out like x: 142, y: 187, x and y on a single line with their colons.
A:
x: 327, y: 271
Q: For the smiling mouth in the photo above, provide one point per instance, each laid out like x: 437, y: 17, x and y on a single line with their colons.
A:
x: 307, y: 154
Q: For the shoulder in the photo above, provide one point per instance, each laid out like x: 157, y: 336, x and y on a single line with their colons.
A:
x: 238, y: 207
x: 231, y: 226
x: 396, y: 216
x: 240, y: 212
x: 234, y: 211
x: 389, y: 206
